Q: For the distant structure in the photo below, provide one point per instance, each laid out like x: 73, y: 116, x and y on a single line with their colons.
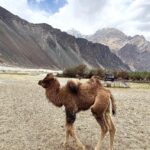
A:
x: 109, y: 77
x: 110, y: 81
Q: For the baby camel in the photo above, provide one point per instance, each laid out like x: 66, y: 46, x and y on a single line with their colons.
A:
x: 76, y: 97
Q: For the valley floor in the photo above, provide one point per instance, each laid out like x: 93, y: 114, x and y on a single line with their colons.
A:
x: 29, y: 122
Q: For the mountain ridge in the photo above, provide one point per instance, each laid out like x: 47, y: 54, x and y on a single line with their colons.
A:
x: 119, y: 43
x: 42, y: 46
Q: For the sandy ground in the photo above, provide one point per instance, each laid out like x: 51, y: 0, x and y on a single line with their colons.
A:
x: 29, y: 122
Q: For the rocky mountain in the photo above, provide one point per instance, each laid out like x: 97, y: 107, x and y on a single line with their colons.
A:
x: 136, y: 59
x: 111, y: 37
x: 30, y: 45
x: 141, y: 43
x: 134, y: 51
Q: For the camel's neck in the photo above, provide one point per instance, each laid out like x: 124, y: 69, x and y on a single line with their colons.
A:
x: 52, y: 93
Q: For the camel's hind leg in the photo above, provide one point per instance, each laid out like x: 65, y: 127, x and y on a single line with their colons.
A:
x: 99, y: 109
x: 101, y: 119
x: 104, y: 128
x: 70, y: 119
x: 112, y: 130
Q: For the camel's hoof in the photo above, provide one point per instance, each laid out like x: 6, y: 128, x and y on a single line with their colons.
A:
x: 82, y: 147
x: 65, y: 144
x: 96, y: 148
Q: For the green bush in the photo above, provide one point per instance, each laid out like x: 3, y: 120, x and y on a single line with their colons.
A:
x: 139, y: 76
x: 148, y: 77
x: 96, y: 72
x: 121, y: 75
x: 134, y: 76
x: 82, y: 71
x: 78, y: 71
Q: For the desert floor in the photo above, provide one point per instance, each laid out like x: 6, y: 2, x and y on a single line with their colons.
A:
x: 29, y: 122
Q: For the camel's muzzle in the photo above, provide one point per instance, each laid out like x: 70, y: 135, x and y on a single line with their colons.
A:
x: 40, y: 82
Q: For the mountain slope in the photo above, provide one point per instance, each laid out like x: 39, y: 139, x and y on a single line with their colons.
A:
x: 137, y: 60
x: 134, y: 51
x: 39, y: 45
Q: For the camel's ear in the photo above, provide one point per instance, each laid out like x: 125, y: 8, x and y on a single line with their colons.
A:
x: 50, y: 75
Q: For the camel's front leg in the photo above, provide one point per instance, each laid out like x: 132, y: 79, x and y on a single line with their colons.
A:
x: 70, y: 119
x: 66, y: 137
x: 71, y: 131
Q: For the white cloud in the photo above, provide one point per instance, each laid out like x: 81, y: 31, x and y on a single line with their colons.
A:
x: 87, y: 16
x: 81, y: 15
x: 22, y: 9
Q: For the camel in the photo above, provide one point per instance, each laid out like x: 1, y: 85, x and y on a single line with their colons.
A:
x: 76, y: 97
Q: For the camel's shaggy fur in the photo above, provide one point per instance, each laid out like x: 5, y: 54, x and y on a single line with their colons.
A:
x: 76, y: 97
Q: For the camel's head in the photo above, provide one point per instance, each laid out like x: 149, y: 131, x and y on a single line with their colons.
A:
x: 47, y: 81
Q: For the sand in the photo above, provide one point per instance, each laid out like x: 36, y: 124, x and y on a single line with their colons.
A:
x: 29, y: 122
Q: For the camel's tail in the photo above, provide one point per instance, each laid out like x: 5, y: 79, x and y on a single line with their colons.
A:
x: 73, y: 87
x: 113, y: 104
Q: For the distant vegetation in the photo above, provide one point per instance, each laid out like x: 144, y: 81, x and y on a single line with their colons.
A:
x: 82, y: 71
x: 1, y: 61
x: 133, y: 76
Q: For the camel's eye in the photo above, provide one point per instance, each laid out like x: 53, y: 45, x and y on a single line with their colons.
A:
x: 46, y: 81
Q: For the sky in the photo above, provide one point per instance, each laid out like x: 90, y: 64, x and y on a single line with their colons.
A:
x: 86, y: 16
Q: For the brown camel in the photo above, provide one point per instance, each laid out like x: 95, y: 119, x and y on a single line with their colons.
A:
x: 76, y: 97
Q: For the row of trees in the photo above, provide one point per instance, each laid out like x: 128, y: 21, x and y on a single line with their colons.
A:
x: 82, y: 71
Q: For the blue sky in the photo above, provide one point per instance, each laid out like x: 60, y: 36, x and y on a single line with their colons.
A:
x: 86, y: 16
x: 51, y: 6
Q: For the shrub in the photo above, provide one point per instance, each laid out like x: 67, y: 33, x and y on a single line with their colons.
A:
x: 83, y: 71
x: 1, y: 61
x: 139, y: 76
x: 96, y: 72
x: 75, y: 71
x: 148, y: 76
x: 123, y: 75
